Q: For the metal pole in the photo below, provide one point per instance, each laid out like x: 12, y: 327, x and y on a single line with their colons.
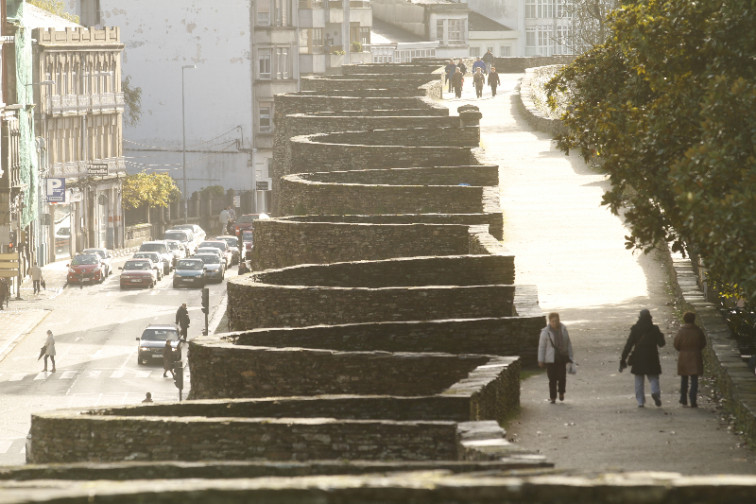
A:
x: 183, y: 134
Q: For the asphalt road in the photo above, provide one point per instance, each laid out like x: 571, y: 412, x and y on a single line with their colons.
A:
x: 95, y: 330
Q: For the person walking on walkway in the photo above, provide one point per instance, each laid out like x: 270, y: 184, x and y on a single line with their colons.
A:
x: 488, y: 59
x: 644, y: 342
x: 554, y: 353
x: 223, y: 218
x: 449, y: 70
x: 168, y: 358
x: 479, y: 64
x: 690, y: 342
x: 182, y: 320
x: 479, y: 80
x: 49, y: 350
x: 457, y: 81
x: 493, y: 80
x: 36, y: 275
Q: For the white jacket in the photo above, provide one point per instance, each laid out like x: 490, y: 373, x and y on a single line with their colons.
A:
x: 545, y: 348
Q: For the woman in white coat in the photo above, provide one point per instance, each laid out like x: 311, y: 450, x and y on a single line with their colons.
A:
x: 50, y: 350
x: 554, y: 353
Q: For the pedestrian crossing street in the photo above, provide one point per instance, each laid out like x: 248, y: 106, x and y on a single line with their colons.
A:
x: 93, y: 374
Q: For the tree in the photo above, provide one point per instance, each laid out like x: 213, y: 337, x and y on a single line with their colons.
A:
x: 57, y: 7
x: 589, y: 22
x: 665, y: 106
x: 132, y: 97
x: 149, y: 189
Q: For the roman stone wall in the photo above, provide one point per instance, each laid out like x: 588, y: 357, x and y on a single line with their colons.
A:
x: 278, y: 243
x: 391, y: 68
x: 380, y: 81
x: 470, y: 175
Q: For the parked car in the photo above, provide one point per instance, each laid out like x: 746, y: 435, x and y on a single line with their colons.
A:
x: 152, y: 341
x: 105, y: 258
x: 161, y: 248
x: 248, y: 243
x: 198, y: 232
x: 85, y: 268
x: 189, y: 272
x: 155, y: 259
x: 185, y: 236
x: 215, y: 268
x: 247, y: 221
x: 220, y: 245
x: 233, y: 246
x: 177, y: 249
x: 138, y: 273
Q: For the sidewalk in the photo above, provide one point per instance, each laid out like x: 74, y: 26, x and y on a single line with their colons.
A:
x: 23, y: 315
x: 572, y: 249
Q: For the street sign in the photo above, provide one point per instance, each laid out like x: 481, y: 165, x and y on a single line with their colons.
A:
x: 56, y: 190
x: 261, y: 185
x: 97, y: 169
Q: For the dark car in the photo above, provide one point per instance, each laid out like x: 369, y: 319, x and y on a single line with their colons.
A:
x: 190, y: 273
x: 85, y: 268
x: 138, y: 273
x: 152, y: 342
x: 247, y: 221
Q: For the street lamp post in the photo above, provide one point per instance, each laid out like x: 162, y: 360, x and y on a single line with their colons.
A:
x: 183, y: 134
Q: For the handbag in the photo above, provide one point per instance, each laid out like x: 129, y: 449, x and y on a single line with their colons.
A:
x: 559, y: 354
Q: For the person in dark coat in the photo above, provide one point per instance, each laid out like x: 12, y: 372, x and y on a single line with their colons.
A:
x: 457, y: 82
x: 488, y: 59
x: 168, y: 358
x: 493, y: 80
x: 462, y: 66
x: 690, y: 342
x: 644, y: 342
x: 182, y: 320
x: 449, y: 70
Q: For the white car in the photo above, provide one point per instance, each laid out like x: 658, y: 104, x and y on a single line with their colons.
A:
x: 161, y: 247
x: 221, y: 245
x: 185, y: 236
x: 197, y: 232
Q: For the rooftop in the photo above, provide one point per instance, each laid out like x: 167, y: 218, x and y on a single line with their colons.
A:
x: 479, y: 22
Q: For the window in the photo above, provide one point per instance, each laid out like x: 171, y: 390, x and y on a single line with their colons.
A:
x: 263, y: 61
x: 263, y: 12
x: 282, y: 63
x: 265, y: 122
x: 281, y: 9
x: 545, y: 9
x: 475, y: 52
x: 456, y: 30
x: 440, y: 30
x: 505, y: 52
x: 317, y: 36
x: 364, y: 35
x: 530, y: 9
x: 563, y: 8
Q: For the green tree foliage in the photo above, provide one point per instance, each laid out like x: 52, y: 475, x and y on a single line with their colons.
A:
x: 132, y: 96
x: 666, y: 106
x: 57, y: 7
x: 149, y: 189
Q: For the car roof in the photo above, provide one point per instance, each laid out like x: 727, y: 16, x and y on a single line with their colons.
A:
x: 161, y: 326
x: 192, y: 259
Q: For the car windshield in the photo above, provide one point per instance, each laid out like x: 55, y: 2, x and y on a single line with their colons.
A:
x: 152, y: 247
x: 96, y: 252
x: 214, y: 244
x: 174, y: 245
x: 144, y: 255
x: 189, y: 265
x: 175, y: 235
x: 136, y: 265
x: 209, y: 258
x: 85, y: 259
x: 159, y: 334
x: 247, y: 235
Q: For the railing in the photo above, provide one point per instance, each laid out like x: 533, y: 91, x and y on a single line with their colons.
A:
x: 58, y: 104
x: 402, y: 52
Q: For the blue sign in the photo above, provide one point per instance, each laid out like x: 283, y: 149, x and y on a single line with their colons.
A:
x: 56, y: 190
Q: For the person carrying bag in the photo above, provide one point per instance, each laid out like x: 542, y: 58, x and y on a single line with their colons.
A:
x: 555, y: 353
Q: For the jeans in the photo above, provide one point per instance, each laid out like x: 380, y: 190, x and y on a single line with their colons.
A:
x: 684, y: 389
x: 557, y: 374
x: 640, y: 394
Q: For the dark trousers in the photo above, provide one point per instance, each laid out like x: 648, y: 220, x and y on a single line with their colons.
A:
x: 693, y: 389
x: 557, y: 373
x: 183, y: 331
x: 52, y: 359
x: 493, y: 90
x: 35, y: 283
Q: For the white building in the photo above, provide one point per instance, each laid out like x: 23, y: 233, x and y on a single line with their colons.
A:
x: 487, y: 34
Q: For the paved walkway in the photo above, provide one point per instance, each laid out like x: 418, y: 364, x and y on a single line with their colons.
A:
x: 572, y: 249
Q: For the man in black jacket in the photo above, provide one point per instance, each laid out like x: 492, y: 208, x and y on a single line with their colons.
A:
x: 182, y: 320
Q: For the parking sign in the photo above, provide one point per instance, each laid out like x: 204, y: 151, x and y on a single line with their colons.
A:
x: 56, y: 190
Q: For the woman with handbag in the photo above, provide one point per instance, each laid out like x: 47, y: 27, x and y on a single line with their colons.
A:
x: 644, y: 342
x: 554, y: 353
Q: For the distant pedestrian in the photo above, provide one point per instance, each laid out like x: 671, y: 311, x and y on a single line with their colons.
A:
x: 182, y: 320
x: 479, y: 63
x: 449, y: 71
x: 690, y: 342
x: 462, y: 66
x: 457, y: 81
x: 488, y: 59
x: 168, y: 358
x: 223, y: 218
x: 644, y: 342
x: 493, y: 80
x: 4, y: 292
x: 147, y: 398
x: 554, y: 353
x: 49, y: 350
x: 478, y: 81
x: 36, y: 275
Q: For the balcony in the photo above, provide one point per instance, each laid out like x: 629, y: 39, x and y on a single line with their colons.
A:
x: 83, y: 104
